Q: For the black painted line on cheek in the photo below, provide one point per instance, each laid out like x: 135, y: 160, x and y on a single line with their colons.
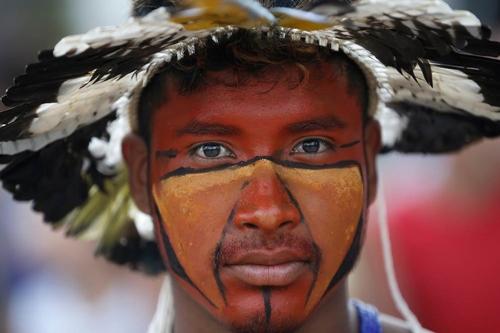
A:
x: 314, y: 267
x: 365, y: 156
x: 217, y: 257
x: 294, y: 201
x: 174, y: 263
x: 355, y: 249
x: 316, y: 260
x: 266, y: 295
x: 350, y: 258
x: 216, y: 271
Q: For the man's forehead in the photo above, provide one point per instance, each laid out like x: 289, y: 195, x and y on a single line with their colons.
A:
x: 293, y: 85
x: 300, y: 92
x: 261, y: 110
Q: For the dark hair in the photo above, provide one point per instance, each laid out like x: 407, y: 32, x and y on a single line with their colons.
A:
x: 248, y: 54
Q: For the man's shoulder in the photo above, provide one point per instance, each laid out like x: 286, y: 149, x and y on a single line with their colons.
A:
x: 392, y: 324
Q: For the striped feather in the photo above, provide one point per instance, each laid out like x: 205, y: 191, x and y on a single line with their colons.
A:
x: 88, y: 73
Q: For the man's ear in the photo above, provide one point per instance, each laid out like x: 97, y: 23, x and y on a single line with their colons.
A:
x: 373, y: 143
x: 136, y: 155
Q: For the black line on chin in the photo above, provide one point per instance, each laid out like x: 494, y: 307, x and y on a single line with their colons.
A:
x: 174, y: 263
x: 266, y: 294
x: 217, y: 256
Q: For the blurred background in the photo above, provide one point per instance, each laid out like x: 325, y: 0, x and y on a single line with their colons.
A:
x: 443, y: 211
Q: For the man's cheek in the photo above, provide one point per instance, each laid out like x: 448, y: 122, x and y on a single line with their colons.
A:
x: 332, y: 203
x: 194, y: 220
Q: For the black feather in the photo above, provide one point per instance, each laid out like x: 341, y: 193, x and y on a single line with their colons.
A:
x: 482, y: 70
x: 487, y: 48
x: 16, y: 122
x: 435, y: 41
x: 42, y: 81
x: 52, y: 177
x: 430, y: 132
x: 426, y: 69
x: 41, y: 92
x: 53, y: 180
x: 406, y: 43
x: 136, y: 253
x: 144, y: 7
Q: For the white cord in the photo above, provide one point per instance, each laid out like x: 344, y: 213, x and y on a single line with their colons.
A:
x: 396, y: 295
x: 163, y: 318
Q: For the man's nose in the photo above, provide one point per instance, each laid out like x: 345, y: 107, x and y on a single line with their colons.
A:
x: 266, y: 205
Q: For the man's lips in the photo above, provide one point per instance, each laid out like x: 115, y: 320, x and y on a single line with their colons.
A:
x: 262, y: 275
x: 268, y: 267
x: 267, y: 257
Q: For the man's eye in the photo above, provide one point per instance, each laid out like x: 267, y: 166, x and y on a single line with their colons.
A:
x: 212, y: 150
x: 312, y: 146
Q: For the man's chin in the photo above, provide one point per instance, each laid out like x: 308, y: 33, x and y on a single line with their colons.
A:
x: 267, y: 311
x: 259, y: 324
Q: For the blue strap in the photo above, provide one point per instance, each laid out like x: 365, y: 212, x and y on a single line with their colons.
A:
x: 367, y: 317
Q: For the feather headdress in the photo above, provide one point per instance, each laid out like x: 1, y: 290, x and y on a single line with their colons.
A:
x: 432, y: 71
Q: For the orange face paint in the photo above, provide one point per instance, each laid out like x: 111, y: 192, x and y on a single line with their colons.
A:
x: 259, y: 236
x: 210, y: 225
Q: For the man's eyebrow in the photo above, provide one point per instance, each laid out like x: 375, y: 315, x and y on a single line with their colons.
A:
x: 326, y: 123
x: 204, y: 128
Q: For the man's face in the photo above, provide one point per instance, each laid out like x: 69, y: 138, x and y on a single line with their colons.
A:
x: 258, y: 192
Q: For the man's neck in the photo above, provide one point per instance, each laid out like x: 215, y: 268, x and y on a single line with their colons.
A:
x: 334, y: 314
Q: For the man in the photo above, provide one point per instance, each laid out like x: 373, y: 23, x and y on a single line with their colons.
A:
x: 260, y: 214
x: 255, y: 133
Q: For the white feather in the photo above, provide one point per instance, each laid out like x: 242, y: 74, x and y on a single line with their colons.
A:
x: 392, y: 124
x: 428, y: 12
x: 452, y: 90
x: 143, y: 223
x: 50, y: 122
x: 81, y: 106
x: 76, y: 106
x: 68, y: 88
x: 35, y: 143
x: 109, y: 152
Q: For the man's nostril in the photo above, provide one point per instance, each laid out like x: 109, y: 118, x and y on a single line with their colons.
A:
x: 250, y: 225
x: 286, y: 224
